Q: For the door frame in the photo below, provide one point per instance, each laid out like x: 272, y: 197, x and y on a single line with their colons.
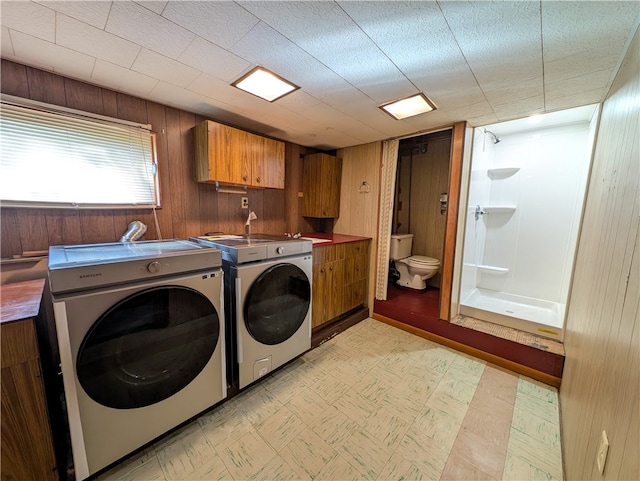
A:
x: 451, y: 229
x: 459, y: 151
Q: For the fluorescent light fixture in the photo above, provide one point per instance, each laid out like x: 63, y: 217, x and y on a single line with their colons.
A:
x: 264, y: 84
x: 231, y: 189
x: 409, y: 106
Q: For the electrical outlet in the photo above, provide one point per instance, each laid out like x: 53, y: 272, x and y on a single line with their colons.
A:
x: 603, y: 449
x: 245, y: 202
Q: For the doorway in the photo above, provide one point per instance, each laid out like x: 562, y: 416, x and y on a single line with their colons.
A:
x: 419, y: 216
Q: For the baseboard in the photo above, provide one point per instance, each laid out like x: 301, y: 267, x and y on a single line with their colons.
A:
x: 331, y: 329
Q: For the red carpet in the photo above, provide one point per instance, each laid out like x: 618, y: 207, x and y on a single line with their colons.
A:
x: 416, y: 308
x: 420, y: 309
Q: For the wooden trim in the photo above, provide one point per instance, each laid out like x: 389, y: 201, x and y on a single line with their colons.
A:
x: 492, y: 358
x: 455, y: 177
x: 417, y: 133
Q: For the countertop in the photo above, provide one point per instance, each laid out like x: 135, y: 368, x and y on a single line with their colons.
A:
x: 20, y: 300
x: 333, y: 238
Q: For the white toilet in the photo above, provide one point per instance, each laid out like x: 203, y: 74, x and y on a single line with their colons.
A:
x: 413, y: 270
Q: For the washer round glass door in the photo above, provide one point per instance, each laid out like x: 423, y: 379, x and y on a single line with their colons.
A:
x: 277, y: 304
x: 148, y: 347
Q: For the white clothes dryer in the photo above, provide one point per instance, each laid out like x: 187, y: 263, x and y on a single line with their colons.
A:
x: 140, y: 329
x: 268, y: 302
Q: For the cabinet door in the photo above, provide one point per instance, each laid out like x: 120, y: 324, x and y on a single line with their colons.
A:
x: 268, y: 164
x: 27, y: 448
x: 321, y: 177
x: 335, y: 297
x: 27, y: 452
x: 220, y: 155
x: 327, y: 297
x: 319, y: 290
x: 356, y: 273
x: 357, y: 294
x: 357, y: 257
x: 340, y: 279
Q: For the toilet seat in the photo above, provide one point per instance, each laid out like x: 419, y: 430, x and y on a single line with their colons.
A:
x: 422, y: 261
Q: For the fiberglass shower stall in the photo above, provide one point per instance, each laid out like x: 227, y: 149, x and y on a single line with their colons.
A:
x: 525, y: 201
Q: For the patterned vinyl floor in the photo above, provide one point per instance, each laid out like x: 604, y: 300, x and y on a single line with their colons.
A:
x: 373, y: 403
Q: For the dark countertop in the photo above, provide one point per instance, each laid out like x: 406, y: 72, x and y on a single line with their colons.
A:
x: 20, y: 300
x: 333, y: 238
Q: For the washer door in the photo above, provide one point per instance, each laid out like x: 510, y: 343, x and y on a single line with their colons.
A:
x: 148, y: 347
x: 277, y: 303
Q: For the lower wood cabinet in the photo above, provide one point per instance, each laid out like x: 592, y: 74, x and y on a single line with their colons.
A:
x: 26, y: 448
x: 340, y: 277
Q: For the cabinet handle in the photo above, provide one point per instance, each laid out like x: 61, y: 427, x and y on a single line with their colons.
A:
x: 330, y: 268
x: 322, y: 271
x: 258, y: 180
x: 244, y: 177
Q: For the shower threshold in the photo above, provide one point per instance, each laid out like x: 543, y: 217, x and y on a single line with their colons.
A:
x: 510, y: 334
x: 536, y: 316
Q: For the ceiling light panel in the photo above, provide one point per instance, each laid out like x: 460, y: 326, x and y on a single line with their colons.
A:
x: 264, y: 84
x: 409, y: 106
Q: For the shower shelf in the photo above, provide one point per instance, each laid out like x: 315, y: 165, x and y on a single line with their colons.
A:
x: 502, y: 173
x: 493, y: 269
x: 499, y: 209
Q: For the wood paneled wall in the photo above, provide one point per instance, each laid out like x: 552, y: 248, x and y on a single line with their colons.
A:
x: 359, y: 209
x: 600, y: 386
x: 188, y: 208
x: 423, y: 174
x: 429, y: 179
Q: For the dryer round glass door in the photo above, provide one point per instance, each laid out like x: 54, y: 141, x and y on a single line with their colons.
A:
x: 148, y: 347
x: 277, y: 303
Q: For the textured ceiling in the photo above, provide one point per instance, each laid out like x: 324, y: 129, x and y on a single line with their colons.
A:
x: 480, y: 61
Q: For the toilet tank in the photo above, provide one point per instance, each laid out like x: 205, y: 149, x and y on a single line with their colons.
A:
x: 400, y: 246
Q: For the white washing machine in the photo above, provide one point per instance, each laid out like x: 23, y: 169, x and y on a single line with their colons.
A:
x: 141, y: 334
x: 268, y: 302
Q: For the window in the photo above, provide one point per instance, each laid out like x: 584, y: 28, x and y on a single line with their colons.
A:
x: 56, y: 157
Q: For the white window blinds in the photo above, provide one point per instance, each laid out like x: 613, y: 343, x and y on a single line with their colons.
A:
x: 55, y: 158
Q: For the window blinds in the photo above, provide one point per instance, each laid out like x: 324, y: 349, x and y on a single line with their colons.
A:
x: 53, y: 158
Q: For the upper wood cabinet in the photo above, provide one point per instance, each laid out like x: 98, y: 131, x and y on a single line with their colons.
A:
x: 233, y: 156
x: 321, y: 178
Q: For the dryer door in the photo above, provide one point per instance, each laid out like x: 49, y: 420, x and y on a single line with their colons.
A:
x: 148, y: 347
x: 277, y: 303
